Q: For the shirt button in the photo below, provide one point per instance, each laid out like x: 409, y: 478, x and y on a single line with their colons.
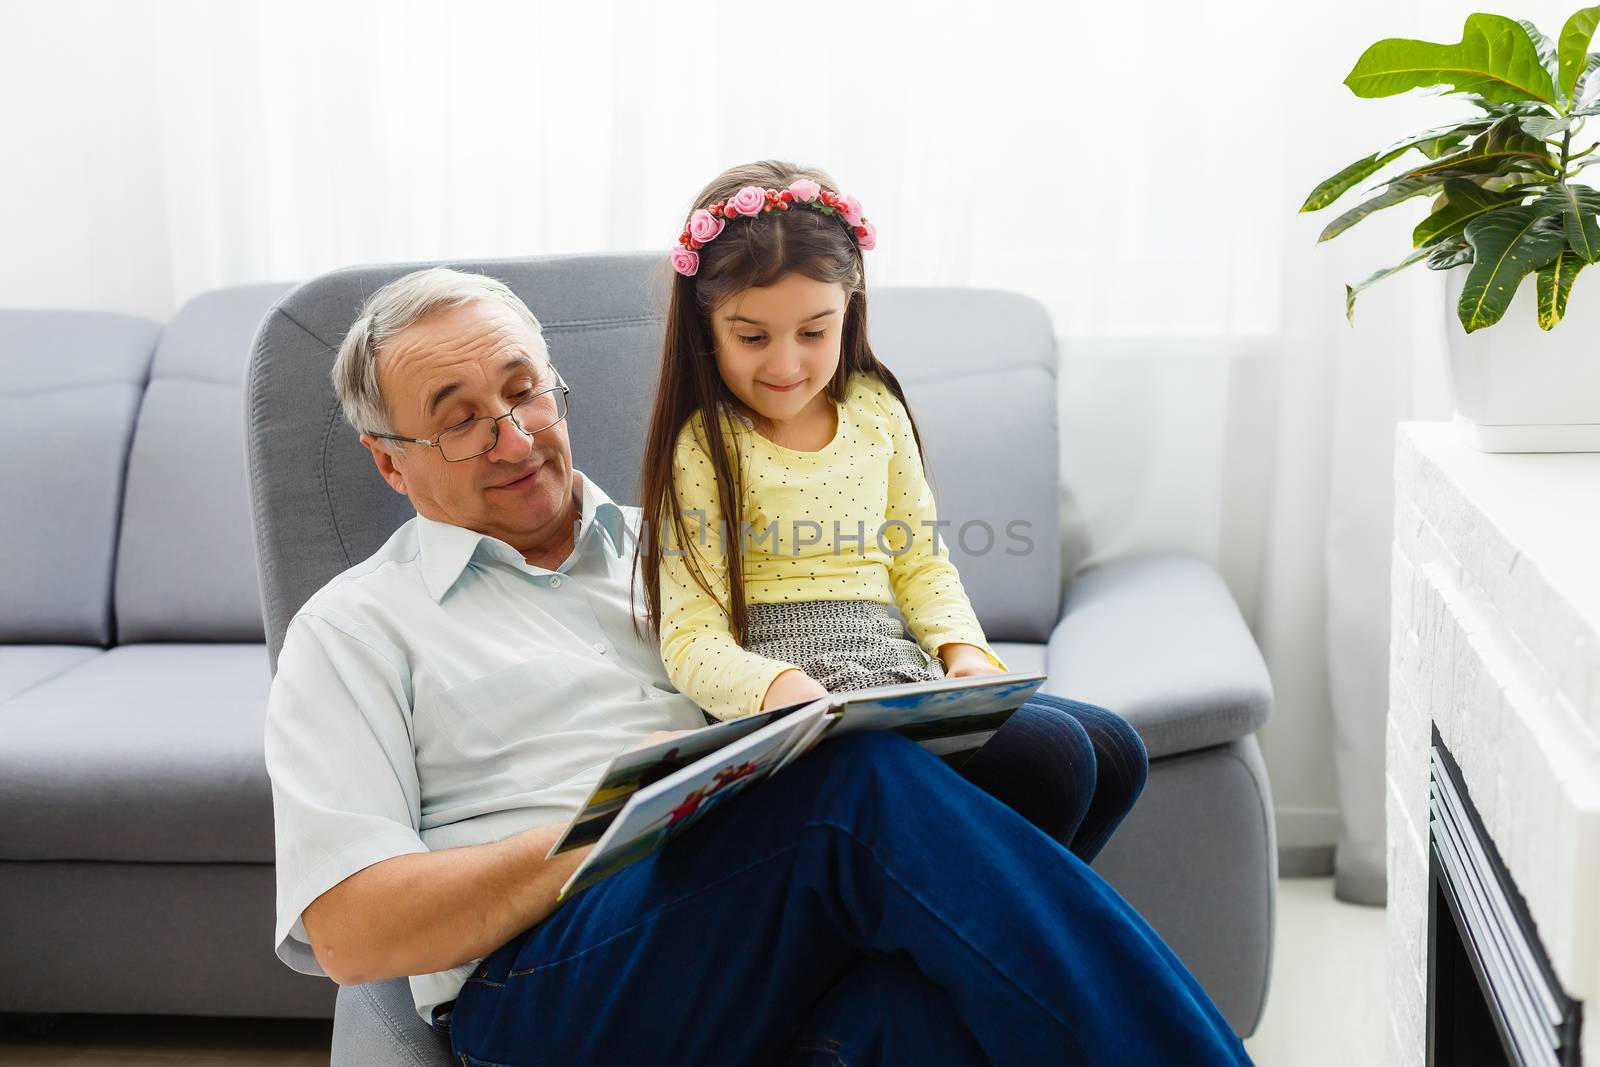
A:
x: 555, y: 583
x: 599, y: 646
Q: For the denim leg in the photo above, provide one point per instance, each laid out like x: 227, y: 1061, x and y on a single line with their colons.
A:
x: 885, y: 1013
x: 717, y: 948
x: 1121, y: 768
x: 1041, y: 764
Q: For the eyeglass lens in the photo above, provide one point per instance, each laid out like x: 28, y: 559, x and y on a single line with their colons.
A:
x: 538, y: 412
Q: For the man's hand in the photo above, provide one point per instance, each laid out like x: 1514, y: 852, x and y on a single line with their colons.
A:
x: 792, y: 687
x: 965, y: 661
x: 430, y: 911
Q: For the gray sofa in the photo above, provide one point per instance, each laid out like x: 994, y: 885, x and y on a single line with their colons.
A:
x: 136, y: 844
x: 133, y: 672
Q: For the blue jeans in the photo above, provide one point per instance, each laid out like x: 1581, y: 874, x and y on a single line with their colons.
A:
x: 1071, y: 769
x: 866, y: 904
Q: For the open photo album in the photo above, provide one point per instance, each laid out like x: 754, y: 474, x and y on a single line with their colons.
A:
x: 648, y: 795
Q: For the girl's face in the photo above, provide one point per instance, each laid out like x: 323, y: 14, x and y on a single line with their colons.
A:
x: 778, y: 346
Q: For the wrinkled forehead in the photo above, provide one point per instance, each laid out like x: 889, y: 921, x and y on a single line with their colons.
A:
x: 480, y: 338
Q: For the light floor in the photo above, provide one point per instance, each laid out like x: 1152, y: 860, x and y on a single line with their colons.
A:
x: 1326, y: 1008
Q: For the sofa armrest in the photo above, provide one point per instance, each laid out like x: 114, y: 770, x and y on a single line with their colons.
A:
x: 1158, y: 639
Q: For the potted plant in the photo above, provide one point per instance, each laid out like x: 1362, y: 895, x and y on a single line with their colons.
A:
x: 1504, y: 205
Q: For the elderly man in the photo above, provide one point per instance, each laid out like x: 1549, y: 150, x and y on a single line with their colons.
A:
x: 441, y: 709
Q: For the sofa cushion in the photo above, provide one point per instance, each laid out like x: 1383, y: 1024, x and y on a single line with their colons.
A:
x: 24, y: 666
x: 145, y: 753
x: 69, y: 387
x: 1158, y: 640
x: 186, y: 559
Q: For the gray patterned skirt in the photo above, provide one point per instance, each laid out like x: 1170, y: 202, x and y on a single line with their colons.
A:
x: 843, y: 644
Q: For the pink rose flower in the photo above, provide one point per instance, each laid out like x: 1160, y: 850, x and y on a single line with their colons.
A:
x: 850, y: 208
x: 747, y: 201
x: 685, y: 262
x: 805, y: 189
x: 866, y: 236
x: 703, y: 225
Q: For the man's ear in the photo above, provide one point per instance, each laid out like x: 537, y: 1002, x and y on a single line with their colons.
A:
x: 383, y: 459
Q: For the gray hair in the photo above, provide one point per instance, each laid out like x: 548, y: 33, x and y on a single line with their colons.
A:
x: 396, y: 307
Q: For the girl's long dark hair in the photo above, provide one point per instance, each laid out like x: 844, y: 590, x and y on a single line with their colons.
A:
x: 749, y: 253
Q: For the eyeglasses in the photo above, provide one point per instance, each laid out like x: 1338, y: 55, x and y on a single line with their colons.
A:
x: 470, y: 439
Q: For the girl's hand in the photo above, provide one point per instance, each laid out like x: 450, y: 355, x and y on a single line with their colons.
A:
x: 658, y: 736
x: 965, y: 661
x: 792, y: 687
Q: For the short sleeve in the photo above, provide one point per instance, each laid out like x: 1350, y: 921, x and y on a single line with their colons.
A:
x: 339, y: 754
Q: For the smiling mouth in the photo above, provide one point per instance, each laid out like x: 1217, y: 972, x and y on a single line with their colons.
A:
x: 784, y: 388
x: 522, y: 482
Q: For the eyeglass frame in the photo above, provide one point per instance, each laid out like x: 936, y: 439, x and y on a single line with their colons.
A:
x: 561, y: 386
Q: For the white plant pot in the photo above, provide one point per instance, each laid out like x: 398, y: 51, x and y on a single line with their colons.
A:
x: 1520, y: 389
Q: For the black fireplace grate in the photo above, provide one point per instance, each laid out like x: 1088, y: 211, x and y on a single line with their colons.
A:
x: 1493, y: 997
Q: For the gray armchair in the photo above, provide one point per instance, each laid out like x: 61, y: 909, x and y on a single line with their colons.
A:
x: 1155, y: 638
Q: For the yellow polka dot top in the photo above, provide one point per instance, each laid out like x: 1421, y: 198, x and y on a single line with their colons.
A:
x: 846, y: 522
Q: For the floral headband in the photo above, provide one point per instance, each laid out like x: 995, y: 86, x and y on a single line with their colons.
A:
x: 706, y: 223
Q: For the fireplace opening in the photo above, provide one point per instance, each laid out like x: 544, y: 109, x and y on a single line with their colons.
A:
x: 1493, y: 997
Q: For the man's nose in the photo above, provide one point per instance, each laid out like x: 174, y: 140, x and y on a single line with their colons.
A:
x: 511, y: 444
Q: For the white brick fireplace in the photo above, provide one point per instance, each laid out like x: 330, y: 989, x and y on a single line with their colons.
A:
x: 1496, y: 643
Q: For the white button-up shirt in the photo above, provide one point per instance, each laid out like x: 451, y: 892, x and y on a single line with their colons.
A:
x: 446, y: 693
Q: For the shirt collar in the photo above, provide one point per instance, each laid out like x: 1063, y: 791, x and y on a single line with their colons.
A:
x: 445, y: 550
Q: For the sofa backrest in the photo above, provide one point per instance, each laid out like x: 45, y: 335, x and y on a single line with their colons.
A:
x: 978, y: 367
x: 70, y: 383
x: 185, y: 558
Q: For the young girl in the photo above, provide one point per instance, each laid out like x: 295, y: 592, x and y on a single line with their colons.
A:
x: 789, y: 509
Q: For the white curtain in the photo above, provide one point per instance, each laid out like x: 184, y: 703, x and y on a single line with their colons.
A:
x: 1137, y: 167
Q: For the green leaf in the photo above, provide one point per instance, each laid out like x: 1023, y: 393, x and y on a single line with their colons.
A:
x: 1510, y: 134
x: 1469, y: 163
x: 1575, y: 37
x: 1502, y: 108
x: 1438, y: 146
x: 1545, y: 127
x: 1505, y: 148
x: 1428, y: 137
x: 1446, y: 256
x: 1393, y: 195
x: 1357, y: 172
x: 1495, y: 59
x: 1587, y: 75
x: 1519, y: 184
x: 1506, y: 246
x: 1461, y: 202
x: 1577, y: 205
x: 1555, y: 285
x: 1352, y: 291
x: 1432, y: 143
x: 1547, y: 54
